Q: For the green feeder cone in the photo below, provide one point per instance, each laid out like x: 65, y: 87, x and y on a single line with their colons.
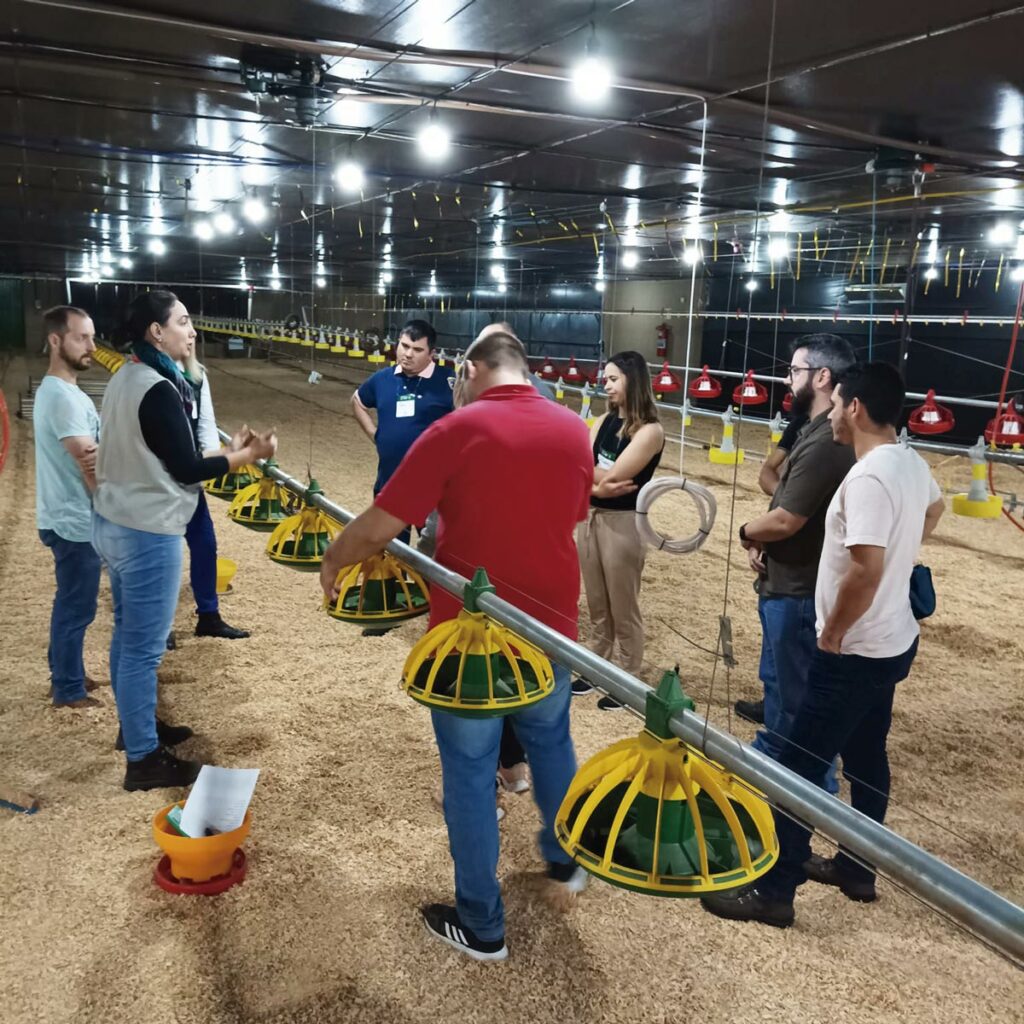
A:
x: 673, y: 823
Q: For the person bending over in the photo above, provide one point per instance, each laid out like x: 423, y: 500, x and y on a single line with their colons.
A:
x: 507, y: 436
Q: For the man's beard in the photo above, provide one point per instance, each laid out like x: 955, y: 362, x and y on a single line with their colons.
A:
x: 82, y: 363
x: 802, y: 401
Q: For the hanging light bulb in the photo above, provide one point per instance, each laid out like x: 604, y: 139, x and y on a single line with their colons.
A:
x: 275, y: 277
x: 349, y: 176
x: 1017, y: 274
x: 592, y: 76
x: 691, y: 255
x: 125, y: 263
x: 599, y: 285
x: 751, y: 285
x: 157, y: 247
x: 930, y: 274
x: 203, y: 230
x: 778, y: 248
x: 434, y: 139
x: 224, y: 223
x: 254, y: 210
x: 1002, y: 233
x: 630, y: 258
x: 321, y: 282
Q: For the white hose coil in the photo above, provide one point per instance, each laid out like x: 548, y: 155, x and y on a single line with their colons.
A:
x: 707, y: 507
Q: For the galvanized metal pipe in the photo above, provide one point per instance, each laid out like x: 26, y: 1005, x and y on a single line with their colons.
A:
x: 990, y: 916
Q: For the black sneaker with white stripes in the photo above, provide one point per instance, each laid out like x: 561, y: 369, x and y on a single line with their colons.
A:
x: 443, y: 923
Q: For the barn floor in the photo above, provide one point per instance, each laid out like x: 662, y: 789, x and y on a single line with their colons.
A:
x: 346, y: 844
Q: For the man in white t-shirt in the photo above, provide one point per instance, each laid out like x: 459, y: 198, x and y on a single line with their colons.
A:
x: 67, y: 428
x: 867, y: 637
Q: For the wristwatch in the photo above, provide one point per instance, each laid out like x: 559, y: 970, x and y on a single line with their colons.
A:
x: 743, y: 533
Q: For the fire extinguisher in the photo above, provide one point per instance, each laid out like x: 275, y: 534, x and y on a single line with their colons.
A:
x: 661, y: 347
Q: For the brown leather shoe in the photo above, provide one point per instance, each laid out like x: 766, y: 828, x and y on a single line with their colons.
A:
x: 90, y: 685
x: 82, y: 702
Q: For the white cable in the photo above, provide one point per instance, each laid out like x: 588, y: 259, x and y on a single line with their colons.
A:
x: 702, y: 498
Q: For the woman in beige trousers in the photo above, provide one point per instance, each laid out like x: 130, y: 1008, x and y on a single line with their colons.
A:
x: 628, y: 440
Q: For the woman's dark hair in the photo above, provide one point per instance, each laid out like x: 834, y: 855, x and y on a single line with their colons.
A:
x: 148, y: 308
x: 640, y: 407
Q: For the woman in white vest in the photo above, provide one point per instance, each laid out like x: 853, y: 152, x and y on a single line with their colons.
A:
x: 148, y: 475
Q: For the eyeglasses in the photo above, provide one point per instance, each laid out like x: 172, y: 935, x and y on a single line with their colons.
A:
x: 794, y: 370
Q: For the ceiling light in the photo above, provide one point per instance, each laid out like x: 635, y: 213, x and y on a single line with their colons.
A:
x: 434, y: 140
x: 1017, y: 274
x: 502, y: 287
x: 386, y: 276
x: 321, y: 282
x: 157, y: 247
x: 751, y: 285
x: 126, y: 264
x: 778, y: 248
x: 254, y: 211
x: 203, y: 230
x: 930, y: 274
x: 350, y: 112
x: 691, y: 255
x: 224, y: 223
x: 349, y: 176
x: 630, y: 258
x: 275, y: 284
x: 107, y: 270
x: 592, y: 76
x: 497, y: 272
x: 1002, y: 233
x: 599, y: 285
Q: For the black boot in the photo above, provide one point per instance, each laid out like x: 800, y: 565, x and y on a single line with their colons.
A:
x: 160, y: 770
x: 751, y: 710
x: 168, y: 735
x: 211, y: 624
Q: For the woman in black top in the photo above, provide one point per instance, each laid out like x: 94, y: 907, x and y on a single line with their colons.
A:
x: 628, y: 440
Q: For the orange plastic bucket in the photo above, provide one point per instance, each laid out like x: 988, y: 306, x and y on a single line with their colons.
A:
x: 198, y: 860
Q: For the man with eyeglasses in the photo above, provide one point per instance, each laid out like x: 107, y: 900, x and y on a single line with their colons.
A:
x: 784, y: 545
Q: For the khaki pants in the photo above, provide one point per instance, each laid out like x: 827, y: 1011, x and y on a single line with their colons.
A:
x: 612, y: 556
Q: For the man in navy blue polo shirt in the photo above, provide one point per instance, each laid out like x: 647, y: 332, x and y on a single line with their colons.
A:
x: 407, y: 397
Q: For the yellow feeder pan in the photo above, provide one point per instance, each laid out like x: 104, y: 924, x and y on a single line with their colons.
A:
x: 472, y: 667
x: 262, y: 505
x: 338, y: 348
x: 301, y: 540
x: 306, y: 339
x: 356, y: 352
x: 378, y: 592
x: 322, y: 344
x: 230, y: 484
x: 651, y: 814
x: 226, y: 569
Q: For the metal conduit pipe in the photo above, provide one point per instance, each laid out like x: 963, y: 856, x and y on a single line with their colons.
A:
x: 981, y: 910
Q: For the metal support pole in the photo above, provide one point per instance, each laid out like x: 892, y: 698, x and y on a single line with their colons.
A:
x: 984, y: 912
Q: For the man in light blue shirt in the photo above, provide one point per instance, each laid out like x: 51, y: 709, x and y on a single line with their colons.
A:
x: 67, y: 430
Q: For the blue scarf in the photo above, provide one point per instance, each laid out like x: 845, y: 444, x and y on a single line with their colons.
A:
x: 167, y: 368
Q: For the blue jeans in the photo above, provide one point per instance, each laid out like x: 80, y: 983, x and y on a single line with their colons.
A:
x: 202, y: 558
x: 788, y: 646
x: 145, y: 577
x: 74, y: 607
x: 469, y: 761
x: 847, y: 711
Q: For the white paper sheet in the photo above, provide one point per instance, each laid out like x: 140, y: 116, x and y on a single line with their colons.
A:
x: 219, y: 800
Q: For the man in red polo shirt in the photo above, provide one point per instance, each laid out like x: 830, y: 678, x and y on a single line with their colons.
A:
x: 510, y: 474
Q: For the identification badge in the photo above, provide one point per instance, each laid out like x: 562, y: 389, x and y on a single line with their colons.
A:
x: 405, y: 407
x: 603, y: 462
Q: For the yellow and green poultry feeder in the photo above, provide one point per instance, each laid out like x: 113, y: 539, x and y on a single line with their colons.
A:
x: 380, y: 591
x: 473, y: 667
x: 228, y: 485
x: 654, y: 815
x: 262, y: 505
x: 301, y: 540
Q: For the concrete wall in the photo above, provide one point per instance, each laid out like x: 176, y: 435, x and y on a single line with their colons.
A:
x: 633, y: 310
